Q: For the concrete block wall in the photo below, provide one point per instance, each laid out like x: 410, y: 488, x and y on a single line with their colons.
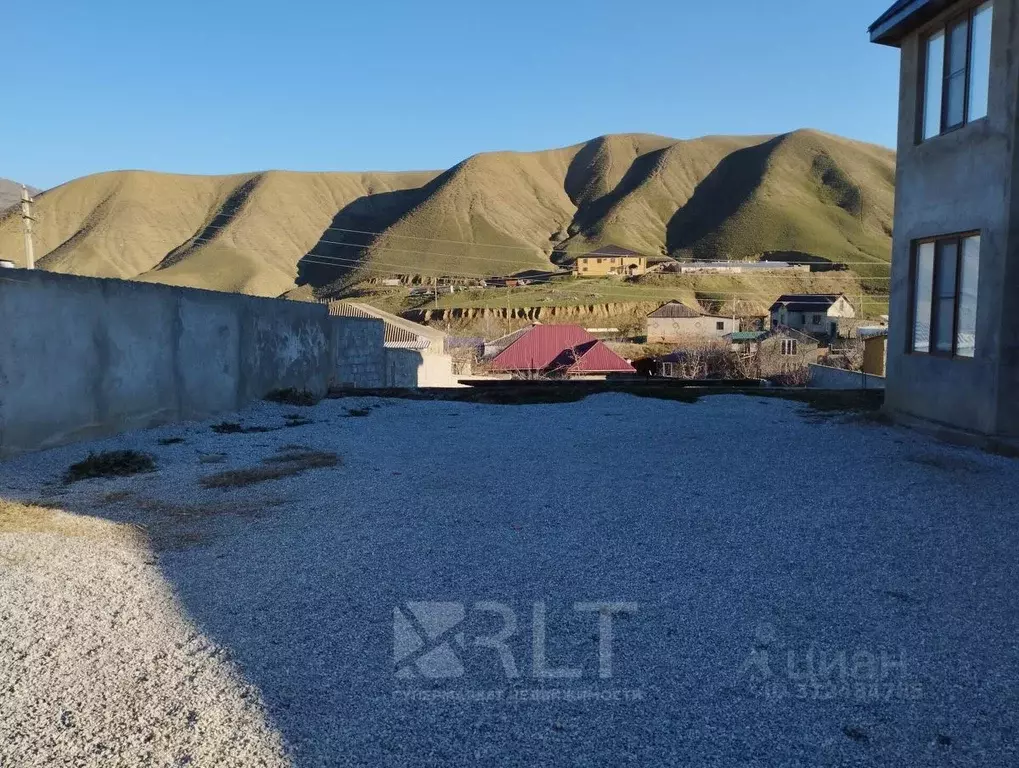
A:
x: 358, y: 343
x: 82, y: 358
x: 826, y: 377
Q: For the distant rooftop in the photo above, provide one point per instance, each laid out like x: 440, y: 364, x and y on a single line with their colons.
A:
x: 806, y: 302
x: 400, y: 333
x: 611, y: 251
x: 675, y: 309
x: 903, y: 18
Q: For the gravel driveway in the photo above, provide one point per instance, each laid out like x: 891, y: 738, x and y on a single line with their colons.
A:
x: 618, y: 581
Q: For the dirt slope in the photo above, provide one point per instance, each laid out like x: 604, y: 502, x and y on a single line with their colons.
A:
x: 10, y: 193
x: 498, y: 213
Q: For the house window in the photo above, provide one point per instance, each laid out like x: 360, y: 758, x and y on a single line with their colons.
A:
x: 957, y: 72
x: 788, y: 346
x: 945, y: 272
x: 599, y: 261
x: 720, y: 326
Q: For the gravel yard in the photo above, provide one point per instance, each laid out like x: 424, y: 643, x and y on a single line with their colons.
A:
x: 770, y: 587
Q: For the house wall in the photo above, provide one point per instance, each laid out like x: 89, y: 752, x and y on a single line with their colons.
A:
x: 841, y: 313
x: 675, y: 329
x: 602, y: 266
x: 82, y: 358
x: 771, y: 361
x: 960, y: 182
x: 407, y: 368
x: 875, y: 352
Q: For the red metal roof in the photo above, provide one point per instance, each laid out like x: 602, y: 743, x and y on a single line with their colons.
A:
x: 567, y: 347
x: 598, y: 358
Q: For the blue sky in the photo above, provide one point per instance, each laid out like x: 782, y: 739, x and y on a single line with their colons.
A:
x: 224, y: 86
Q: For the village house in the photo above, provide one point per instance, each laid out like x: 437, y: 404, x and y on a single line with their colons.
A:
x: 676, y: 322
x: 766, y: 354
x: 609, y: 261
x: 495, y: 347
x: 558, y: 351
x: 736, y: 267
x: 413, y: 351
x: 953, y: 344
x: 821, y: 314
x: 875, y: 352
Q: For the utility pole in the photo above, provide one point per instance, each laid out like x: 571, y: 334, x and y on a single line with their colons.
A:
x: 26, y: 218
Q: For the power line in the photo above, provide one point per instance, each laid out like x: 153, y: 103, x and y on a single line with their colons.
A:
x: 418, y: 267
x: 533, y: 251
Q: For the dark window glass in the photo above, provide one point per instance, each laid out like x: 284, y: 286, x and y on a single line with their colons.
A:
x: 945, y: 296
x: 922, y: 297
x: 980, y: 61
x: 957, y: 66
x: 965, y: 342
x: 935, y: 82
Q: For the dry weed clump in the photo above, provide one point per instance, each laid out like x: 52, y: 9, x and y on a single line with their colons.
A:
x: 284, y: 464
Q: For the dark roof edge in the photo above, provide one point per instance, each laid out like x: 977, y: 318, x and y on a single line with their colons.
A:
x: 904, y: 17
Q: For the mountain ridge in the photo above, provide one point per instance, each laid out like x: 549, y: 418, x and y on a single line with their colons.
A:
x: 10, y: 193
x: 493, y: 213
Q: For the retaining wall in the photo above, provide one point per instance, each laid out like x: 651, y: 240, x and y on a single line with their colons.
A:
x: 83, y: 357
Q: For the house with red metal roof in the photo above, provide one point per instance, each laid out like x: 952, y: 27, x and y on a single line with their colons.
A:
x: 559, y: 351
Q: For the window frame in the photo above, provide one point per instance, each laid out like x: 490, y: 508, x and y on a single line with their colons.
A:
x: 945, y: 27
x: 932, y: 351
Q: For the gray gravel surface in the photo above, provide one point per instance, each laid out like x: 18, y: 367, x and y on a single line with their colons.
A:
x: 809, y: 592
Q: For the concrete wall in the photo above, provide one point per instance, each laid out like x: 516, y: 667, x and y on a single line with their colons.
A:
x: 823, y: 377
x: 408, y: 368
x: 82, y: 358
x: 961, y: 182
x: 675, y: 329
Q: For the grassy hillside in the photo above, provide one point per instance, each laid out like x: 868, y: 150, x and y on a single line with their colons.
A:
x: 493, y: 214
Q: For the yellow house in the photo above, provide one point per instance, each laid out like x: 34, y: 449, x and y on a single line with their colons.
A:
x: 875, y: 353
x: 611, y: 260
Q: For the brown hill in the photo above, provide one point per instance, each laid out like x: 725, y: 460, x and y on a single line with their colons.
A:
x: 10, y: 193
x: 497, y: 213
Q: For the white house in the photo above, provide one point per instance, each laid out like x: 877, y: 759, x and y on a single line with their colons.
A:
x: 675, y: 322
x: 817, y: 313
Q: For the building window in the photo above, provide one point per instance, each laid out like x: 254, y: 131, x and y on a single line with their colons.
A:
x: 816, y: 320
x: 720, y: 326
x: 788, y: 346
x: 945, y: 272
x: 957, y: 72
x: 599, y: 261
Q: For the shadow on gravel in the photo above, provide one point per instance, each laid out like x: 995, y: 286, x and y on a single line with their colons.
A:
x: 721, y: 541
